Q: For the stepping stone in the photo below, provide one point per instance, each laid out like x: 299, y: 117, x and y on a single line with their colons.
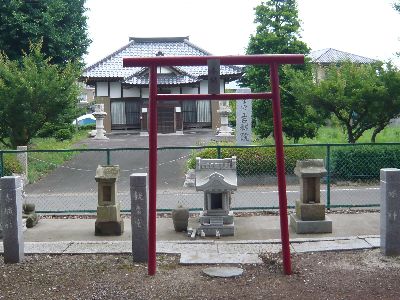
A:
x: 224, y: 272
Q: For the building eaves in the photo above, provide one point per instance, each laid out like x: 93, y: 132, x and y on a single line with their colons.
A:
x: 331, y: 56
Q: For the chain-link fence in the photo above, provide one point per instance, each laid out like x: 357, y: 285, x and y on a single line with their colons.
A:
x: 352, y: 179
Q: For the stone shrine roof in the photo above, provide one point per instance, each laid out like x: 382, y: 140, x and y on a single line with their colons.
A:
x: 216, y: 174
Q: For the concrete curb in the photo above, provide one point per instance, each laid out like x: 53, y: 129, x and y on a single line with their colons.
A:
x: 208, y: 251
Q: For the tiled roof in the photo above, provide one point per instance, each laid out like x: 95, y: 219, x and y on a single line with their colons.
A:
x: 111, y: 68
x: 329, y: 56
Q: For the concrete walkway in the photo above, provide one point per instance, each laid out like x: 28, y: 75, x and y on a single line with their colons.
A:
x: 254, y: 234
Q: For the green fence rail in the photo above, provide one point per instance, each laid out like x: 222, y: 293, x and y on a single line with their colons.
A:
x: 352, y: 179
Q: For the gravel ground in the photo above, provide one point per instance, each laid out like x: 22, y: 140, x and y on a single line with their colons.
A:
x: 324, y: 275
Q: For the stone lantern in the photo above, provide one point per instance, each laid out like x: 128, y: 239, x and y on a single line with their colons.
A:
x: 217, y: 179
x: 310, y: 212
x: 108, y: 221
x: 224, y: 111
x: 99, y: 114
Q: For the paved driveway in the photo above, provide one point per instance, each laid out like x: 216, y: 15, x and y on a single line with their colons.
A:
x: 77, y: 175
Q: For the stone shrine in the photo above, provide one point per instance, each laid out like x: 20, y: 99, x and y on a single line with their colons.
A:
x: 217, y: 178
x: 108, y: 221
x: 310, y: 212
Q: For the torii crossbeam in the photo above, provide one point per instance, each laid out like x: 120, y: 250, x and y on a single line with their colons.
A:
x: 273, y: 61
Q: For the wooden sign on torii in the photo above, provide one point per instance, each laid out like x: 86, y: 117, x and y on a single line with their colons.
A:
x: 273, y: 60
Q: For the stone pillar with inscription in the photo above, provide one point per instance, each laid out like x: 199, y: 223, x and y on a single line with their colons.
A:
x: 390, y: 211
x: 108, y: 221
x: 138, y: 188
x: 178, y: 120
x: 243, y: 119
x: 11, y: 215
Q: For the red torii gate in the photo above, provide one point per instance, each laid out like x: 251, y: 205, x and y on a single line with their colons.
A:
x: 273, y: 61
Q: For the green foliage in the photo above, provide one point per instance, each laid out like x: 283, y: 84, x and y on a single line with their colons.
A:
x: 363, y: 163
x: 33, y: 92
x: 63, y: 134
x: 87, y: 127
x: 41, y: 163
x: 278, y: 28
x: 360, y: 96
x: 60, y: 24
x: 11, y: 165
x: 257, y: 160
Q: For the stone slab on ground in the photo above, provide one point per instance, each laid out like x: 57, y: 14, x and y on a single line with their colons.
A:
x: 373, y: 241
x: 188, y: 258
x: 224, y: 272
x: 100, y: 247
x: 249, y: 248
x: 350, y: 244
x: 46, y: 247
x: 171, y: 248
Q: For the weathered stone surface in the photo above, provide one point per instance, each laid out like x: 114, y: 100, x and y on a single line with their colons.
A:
x: 310, y: 212
x: 390, y: 211
x: 318, y: 226
x: 213, y: 258
x: 108, y: 220
x: 138, y: 189
x: 11, y: 215
x: 310, y: 168
x: 109, y: 228
x: 223, y: 272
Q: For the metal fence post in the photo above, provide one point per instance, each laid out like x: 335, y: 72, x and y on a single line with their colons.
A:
x: 219, y: 151
x: 108, y: 157
x: 328, y: 176
x: 1, y: 164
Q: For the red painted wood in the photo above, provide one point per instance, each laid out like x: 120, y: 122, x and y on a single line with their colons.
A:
x: 259, y: 59
x: 151, y: 264
x: 273, y: 61
x: 280, y: 163
x: 165, y: 97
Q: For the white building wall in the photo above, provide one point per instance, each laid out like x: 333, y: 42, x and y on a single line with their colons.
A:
x: 102, y: 89
x: 145, y: 93
x: 115, y: 89
x: 132, y: 92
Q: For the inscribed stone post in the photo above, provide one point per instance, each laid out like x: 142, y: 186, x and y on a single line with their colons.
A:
x: 138, y: 184
x: 11, y: 215
x: 390, y: 211
x: 243, y: 119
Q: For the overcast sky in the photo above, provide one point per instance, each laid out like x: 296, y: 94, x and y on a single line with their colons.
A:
x: 365, y: 27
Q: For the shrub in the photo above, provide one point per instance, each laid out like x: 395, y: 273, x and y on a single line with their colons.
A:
x: 53, y: 130
x: 63, y: 134
x: 87, y: 127
x: 11, y: 165
x: 363, y: 162
x: 256, y: 160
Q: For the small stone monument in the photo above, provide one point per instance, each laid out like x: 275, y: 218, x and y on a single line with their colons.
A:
x: 11, y: 215
x: 108, y: 221
x: 310, y: 212
x: 138, y: 188
x: 390, y: 211
x: 99, y: 114
x: 217, y: 178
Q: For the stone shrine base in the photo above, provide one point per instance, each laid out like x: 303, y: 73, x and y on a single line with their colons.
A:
x: 210, y: 224
x: 109, y: 228
x: 319, y: 226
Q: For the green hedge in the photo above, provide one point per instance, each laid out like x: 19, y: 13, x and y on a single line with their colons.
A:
x: 11, y: 165
x: 363, y: 163
x: 256, y: 161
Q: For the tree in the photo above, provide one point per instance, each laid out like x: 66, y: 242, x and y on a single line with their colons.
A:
x: 278, y: 32
x: 360, y: 96
x: 59, y: 24
x: 34, y: 91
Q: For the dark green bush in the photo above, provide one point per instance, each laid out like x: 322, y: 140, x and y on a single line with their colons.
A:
x: 63, y: 134
x: 257, y: 160
x: 52, y: 130
x: 11, y: 165
x: 87, y: 127
x: 363, y: 162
